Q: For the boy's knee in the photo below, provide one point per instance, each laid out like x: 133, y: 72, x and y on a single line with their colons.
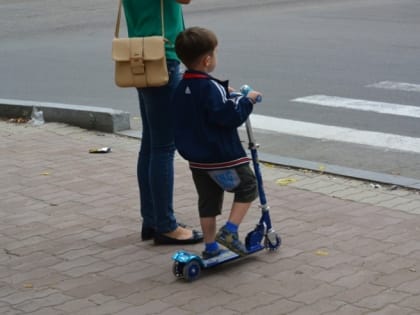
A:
x: 247, y: 191
x: 247, y: 194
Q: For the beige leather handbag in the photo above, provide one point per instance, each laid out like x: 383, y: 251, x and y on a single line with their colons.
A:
x: 139, y: 61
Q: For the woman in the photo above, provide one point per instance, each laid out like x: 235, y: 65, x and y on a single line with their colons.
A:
x: 156, y: 157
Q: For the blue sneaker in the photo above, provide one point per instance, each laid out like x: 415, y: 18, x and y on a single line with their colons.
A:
x: 231, y: 241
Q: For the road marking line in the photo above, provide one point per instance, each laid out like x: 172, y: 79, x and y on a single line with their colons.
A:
x: 390, y: 85
x: 333, y: 133
x: 363, y: 105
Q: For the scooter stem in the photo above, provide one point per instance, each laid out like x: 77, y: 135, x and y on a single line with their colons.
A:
x: 253, y: 148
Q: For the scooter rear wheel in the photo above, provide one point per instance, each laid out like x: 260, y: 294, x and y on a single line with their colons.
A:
x: 273, y: 242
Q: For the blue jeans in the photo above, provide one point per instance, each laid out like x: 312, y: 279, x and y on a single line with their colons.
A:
x: 155, y: 165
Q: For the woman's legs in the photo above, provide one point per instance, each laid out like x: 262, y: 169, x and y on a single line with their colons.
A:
x: 143, y: 175
x: 155, y: 162
x: 155, y: 166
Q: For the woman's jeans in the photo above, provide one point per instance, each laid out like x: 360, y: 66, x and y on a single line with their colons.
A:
x: 155, y: 166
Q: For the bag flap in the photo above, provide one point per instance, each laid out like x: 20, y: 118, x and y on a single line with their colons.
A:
x: 154, y: 48
x: 148, y: 48
x: 121, y: 49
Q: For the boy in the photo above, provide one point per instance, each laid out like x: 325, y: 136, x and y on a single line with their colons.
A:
x: 206, y: 122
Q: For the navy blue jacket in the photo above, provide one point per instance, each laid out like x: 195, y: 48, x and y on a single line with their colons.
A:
x: 206, y: 122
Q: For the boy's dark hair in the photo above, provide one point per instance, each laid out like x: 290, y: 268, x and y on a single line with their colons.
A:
x: 193, y: 43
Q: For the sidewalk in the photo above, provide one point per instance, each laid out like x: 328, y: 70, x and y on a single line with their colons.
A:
x: 70, y: 243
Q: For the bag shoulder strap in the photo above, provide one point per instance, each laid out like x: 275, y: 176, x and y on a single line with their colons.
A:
x: 117, y: 24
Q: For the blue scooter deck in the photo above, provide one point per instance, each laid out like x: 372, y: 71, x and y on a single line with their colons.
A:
x: 225, y: 256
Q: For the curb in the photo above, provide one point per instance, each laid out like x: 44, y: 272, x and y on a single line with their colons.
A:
x: 118, y: 122
x: 349, y: 172
x: 87, y: 117
x: 375, y: 177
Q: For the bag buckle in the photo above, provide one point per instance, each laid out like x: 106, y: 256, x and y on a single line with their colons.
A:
x: 137, y: 65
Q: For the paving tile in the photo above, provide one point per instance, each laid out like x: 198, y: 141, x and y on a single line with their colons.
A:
x: 152, y: 307
x: 412, y: 286
x: 396, y: 278
x: 411, y: 302
x: 348, y: 310
x: 379, y: 301
x: 279, y: 307
x: 392, y: 309
x: 33, y: 305
x: 320, y: 307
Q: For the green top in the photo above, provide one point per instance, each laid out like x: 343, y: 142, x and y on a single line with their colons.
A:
x: 143, y: 18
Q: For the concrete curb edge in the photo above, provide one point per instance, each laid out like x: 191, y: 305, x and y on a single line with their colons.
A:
x: 116, y: 121
x: 87, y: 117
x: 373, y: 177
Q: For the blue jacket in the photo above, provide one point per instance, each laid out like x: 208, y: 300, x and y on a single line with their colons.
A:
x: 206, y: 122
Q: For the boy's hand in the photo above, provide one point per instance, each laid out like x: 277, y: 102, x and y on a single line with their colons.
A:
x: 231, y: 89
x: 253, y: 95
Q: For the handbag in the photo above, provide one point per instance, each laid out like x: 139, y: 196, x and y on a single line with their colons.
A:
x: 139, y: 61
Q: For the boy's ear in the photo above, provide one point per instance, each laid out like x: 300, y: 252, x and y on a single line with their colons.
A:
x: 206, y: 60
x: 202, y: 61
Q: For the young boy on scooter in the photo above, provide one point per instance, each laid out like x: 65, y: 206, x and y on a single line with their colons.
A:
x: 206, y: 122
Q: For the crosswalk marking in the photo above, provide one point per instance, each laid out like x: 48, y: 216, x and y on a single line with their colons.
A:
x: 402, y: 86
x: 349, y: 135
x: 333, y: 133
x: 363, y: 105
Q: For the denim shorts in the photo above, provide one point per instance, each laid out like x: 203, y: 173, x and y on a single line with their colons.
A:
x: 211, y: 185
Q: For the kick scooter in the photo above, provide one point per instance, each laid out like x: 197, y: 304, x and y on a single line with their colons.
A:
x: 188, y: 265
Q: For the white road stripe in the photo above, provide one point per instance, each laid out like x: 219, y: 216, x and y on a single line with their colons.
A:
x: 363, y: 105
x: 402, y: 86
x: 333, y: 133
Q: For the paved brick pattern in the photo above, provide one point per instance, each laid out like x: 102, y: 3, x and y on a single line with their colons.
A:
x: 69, y: 236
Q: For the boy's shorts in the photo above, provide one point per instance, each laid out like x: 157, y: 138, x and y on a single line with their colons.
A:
x: 211, y: 186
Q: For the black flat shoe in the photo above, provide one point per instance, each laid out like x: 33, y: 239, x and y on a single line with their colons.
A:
x: 147, y: 233
x: 161, y: 239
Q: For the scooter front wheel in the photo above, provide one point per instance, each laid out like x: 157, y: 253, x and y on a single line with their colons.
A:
x: 191, y: 270
x: 177, y: 269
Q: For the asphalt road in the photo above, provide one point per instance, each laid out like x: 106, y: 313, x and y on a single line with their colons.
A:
x: 61, y: 52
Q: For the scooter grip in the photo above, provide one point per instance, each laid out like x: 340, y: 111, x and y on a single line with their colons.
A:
x: 245, y: 89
